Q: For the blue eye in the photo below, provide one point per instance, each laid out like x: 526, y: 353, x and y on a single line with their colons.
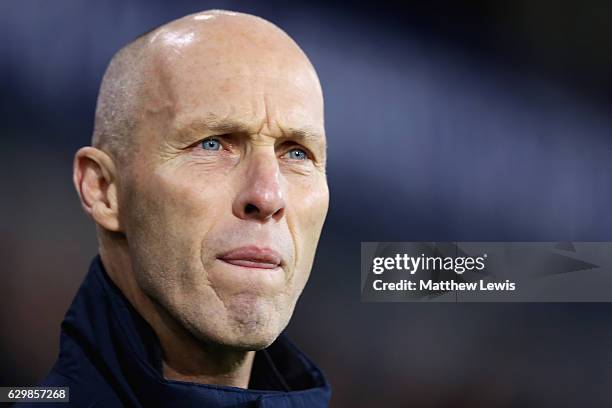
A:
x: 211, y: 144
x: 297, y: 154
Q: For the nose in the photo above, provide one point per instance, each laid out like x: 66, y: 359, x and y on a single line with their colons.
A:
x: 261, y: 197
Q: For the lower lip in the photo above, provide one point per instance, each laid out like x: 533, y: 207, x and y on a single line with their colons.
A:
x: 250, y: 264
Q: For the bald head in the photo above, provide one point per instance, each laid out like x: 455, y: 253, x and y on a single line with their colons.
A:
x: 213, y: 230
x: 151, y: 74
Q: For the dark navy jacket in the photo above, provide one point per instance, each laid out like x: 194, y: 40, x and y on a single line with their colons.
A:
x: 110, y: 357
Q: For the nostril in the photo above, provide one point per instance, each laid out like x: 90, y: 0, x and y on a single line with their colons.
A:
x: 250, y: 209
x: 278, y: 213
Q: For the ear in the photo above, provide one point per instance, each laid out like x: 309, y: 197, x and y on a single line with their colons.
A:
x: 94, y: 178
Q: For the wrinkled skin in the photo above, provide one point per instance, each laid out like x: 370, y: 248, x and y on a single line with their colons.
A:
x: 243, y: 87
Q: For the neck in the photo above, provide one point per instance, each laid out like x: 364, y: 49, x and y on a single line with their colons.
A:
x: 185, y: 357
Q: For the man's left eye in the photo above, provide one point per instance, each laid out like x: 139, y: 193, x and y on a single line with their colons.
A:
x: 297, y: 154
x: 211, y: 144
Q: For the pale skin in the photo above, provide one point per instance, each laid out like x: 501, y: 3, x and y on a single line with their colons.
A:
x: 228, y: 152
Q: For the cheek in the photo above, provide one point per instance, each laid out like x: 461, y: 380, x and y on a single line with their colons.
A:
x: 308, y: 204
x: 170, y: 214
x: 188, y: 198
x: 311, y: 201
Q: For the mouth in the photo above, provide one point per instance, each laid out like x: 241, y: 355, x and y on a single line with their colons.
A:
x: 252, y: 257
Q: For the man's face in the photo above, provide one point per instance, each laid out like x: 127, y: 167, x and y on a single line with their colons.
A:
x: 226, y: 194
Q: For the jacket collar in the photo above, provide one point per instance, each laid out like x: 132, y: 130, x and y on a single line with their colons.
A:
x: 127, y: 351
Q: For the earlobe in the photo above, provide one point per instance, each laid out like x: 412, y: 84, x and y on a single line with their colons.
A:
x: 95, y: 182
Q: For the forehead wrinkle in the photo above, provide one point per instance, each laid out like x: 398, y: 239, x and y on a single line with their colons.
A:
x: 204, y: 56
x: 306, y: 133
x: 213, y: 125
x: 216, y: 124
x: 141, y: 78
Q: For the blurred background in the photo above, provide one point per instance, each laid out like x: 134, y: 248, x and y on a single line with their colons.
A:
x: 487, y: 121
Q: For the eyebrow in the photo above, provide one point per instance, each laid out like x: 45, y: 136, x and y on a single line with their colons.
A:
x: 219, y: 126
x: 306, y: 134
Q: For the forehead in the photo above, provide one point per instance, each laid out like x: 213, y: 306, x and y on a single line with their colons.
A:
x: 247, y: 78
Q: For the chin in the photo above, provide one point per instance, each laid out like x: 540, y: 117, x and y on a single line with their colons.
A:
x: 254, y: 322
x: 242, y: 329
x: 253, y: 343
x: 253, y: 334
x: 240, y: 337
